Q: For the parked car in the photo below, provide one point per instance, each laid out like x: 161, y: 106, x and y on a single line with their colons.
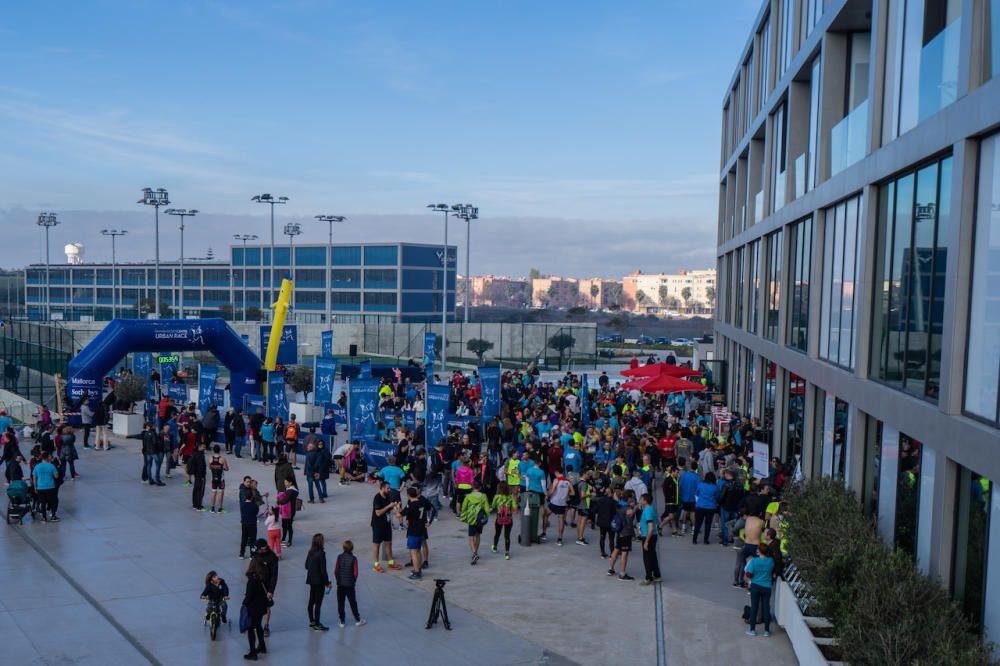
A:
x: 663, y: 340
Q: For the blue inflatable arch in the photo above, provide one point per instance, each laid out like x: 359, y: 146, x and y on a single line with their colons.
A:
x: 122, y: 336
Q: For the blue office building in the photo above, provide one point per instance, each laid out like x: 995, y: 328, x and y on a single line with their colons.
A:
x: 370, y: 282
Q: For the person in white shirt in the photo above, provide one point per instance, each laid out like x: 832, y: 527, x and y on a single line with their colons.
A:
x: 636, y: 485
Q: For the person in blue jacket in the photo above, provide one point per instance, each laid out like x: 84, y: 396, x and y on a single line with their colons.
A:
x: 689, y: 486
x: 706, y: 503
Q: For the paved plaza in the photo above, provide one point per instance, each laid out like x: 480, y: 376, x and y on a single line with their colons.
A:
x: 117, y: 581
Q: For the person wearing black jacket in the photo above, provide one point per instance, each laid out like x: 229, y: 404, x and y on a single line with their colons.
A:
x: 256, y: 422
x: 729, y: 504
x: 604, y: 507
x: 198, y: 469
x: 150, y: 447
x: 269, y: 561
x: 239, y: 432
x: 227, y: 429
x: 317, y: 578
x: 248, y: 515
x: 256, y: 599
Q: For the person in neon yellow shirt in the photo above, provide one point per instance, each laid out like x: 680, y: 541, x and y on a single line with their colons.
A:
x: 472, y: 505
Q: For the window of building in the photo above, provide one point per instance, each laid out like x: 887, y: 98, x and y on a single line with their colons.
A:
x: 983, y: 367
x: 375, y: 300
x: 800, y: 246
x: 345, y: 300
x: 840, y: 438
x: 795, y: 414
x: 282, y: 255
x: 82, y: 295
x: 134, y: 275
x: 911, y: 260
x: 192, y: 276
x: 753, y: 299
x: 345, y: 277
x: 310, y: 256
x: 217, y: 277
x: 772, y: 286
x: 764, y: 71
x: 253, y: 256
x: 786, y: 46
x: 779, y: 156
x: 35, y: 276
x: 908, y: 494
x: 765, y: 433
x: 990, y: 64
x: 83, y: 275
x: 840, y: 266
x: 379, y: 255
x: 192, y: 297
x: 930, y: 31
x: 811, y: 178
x: 380, y: 278
x: 810, y: 14
x: 215, y: 297
x: 873, y: 467
x: 748, y: 111
x: 972, y: 519
x: 848, y: 138
x: 345, y: 255
x: 310, y: 277
x: 310, y: 300
x: 421, y: 279
x: 738, y: 285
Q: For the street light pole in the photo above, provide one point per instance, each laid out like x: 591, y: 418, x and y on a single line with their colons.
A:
x: 467, y: 212
x: 292, y: 229
x: 181, y: 213
x: 329, y: 219
x: 244, y: 238
x: 271, y: 200
x: 443, y: 208
x: 47, y: 221
x: 114, y: 233
x: 156, y: 198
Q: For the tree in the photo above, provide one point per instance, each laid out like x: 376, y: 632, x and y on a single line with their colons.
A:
x: 561, y: 342
x: 640, y: 296
x: 147, y: 305
x: 534, y: 274
x: 664, y: 294
x: 479, y: 347
x: 686, y: 294
x: 226, y: 311
x: 613, y: 293
x: 301, y: 380
x: 594, y: 291
x: 253, y: 313
x: 710, y: 294
x: 131, y: 389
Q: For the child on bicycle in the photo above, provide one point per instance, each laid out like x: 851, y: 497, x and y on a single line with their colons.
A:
x: 216, y: 592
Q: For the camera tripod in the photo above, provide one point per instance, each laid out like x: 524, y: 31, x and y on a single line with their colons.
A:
x: 439, y: 609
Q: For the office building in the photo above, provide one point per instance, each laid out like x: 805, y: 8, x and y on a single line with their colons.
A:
x: 691, y: 292
x: 859, y: 265
x: 372, y: 282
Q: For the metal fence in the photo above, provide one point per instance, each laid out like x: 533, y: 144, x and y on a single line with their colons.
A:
x: 32, y: 354
x: 514, y: 345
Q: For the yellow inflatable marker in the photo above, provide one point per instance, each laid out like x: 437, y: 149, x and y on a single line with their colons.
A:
x: 280, y: 308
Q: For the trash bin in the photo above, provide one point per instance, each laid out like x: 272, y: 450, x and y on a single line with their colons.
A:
x: 530, y: 511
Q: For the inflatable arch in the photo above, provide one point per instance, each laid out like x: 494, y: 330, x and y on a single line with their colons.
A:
x: 122, y: 336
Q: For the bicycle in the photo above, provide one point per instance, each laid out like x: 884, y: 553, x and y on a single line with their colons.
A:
x: 213, y: 618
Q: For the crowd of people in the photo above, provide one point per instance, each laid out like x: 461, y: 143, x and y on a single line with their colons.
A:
x: 588, y: 468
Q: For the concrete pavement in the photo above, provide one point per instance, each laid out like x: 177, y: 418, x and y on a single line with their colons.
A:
x: 119, y: 579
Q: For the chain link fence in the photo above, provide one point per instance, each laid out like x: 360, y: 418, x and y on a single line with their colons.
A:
x: 32, y: 355
x: 552, y: 346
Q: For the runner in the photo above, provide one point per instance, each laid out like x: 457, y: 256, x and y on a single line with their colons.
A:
x: 418, y: 515
x: 505, y: 506
x: 558, y: 495
x: 475, y: 510
x: 217, y: 466
x: 381, y: 529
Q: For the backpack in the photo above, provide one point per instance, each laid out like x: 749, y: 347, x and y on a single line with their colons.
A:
x: 503, y: 516
x: 292, y: 430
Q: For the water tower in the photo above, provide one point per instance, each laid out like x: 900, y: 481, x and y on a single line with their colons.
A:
x: 74, y: 253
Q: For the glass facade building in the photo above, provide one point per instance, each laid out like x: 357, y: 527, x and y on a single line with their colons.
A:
x: 377, y: 282
x: 859, y: 255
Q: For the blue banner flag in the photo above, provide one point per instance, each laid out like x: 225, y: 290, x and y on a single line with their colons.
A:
x: 151, y: 392
x: 585, y: 402
x: 288, y: 346
x: 410, y: 419
x: 167, y: 371
x: 220, y: 396
x: 365, y: 370
x: 277, y: 401
x: 362, y: 404
x: 207, y: 374
x: 142, y: 363
x: 437, y: 413
x: 377, y: 453
x: 324, y: 371
x: 326, y: 344
x: 430, y: 339
x: 252, y: 402
x: 489, y: 387
x: 178, y: 392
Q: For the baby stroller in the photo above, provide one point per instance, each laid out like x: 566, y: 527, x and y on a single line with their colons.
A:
x: 19, y: 502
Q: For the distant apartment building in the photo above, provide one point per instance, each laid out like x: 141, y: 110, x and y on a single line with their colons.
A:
x: 599, y: 293
x: 555, y: 292
x: 497, y: 291
x: 691, y: 292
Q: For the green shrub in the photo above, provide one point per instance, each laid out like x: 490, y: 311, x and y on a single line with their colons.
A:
x: 884, y: 610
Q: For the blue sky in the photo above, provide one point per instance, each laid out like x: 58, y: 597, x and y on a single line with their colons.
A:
x: 587, y: 132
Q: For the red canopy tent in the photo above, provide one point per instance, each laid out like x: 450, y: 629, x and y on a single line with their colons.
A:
x: 668, y: 384
x: 657, y: 369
